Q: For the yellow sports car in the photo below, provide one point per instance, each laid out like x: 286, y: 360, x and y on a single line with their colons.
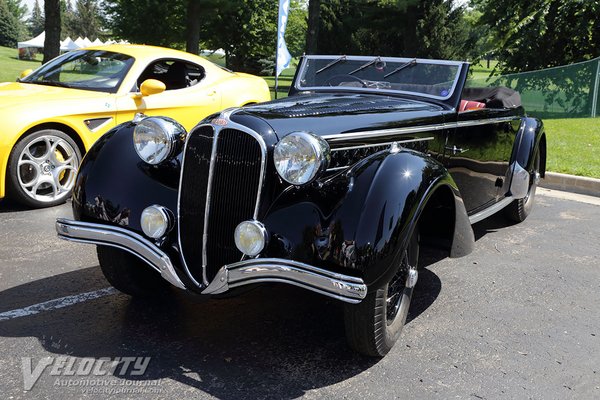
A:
x: 52, y: 116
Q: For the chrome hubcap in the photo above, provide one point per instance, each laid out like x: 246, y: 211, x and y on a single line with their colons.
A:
x: 47, y: 168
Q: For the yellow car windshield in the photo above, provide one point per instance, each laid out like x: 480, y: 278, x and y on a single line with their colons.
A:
x: 96, y: 70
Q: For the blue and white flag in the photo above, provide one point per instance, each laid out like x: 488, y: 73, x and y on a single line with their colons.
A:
x: 283, y: 55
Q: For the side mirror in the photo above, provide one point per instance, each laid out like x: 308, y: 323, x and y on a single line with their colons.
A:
x: 25, y: 73
x: 152, y: 86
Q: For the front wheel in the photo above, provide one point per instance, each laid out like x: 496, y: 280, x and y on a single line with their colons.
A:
x: 128, y: 274
x: 375, y: 324
x: 42, y: 168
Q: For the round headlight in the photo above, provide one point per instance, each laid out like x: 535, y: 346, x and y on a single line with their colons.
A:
x: 250, y: 237
x: 157, y: 138
x: 300, y: 157
x: 155, y: 221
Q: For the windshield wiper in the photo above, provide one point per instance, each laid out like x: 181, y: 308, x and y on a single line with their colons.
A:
x: 331, y: 64
x: 411, y: 63
x: 365, y: 65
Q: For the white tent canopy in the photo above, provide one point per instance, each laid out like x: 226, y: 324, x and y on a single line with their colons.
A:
x: 97, y: 42
x: 68, y: 44
x: 37, y: 42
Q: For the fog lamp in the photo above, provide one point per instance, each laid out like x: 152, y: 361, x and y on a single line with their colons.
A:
x: 155, y: 221
x: 250, y: 237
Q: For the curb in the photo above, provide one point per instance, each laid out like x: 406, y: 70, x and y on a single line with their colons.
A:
x: 571, y: 183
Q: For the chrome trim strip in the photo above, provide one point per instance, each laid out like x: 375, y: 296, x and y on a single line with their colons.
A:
x: 383, y: 144
x: 491, y: 210
x: 211, y: 173
x: 337, y: 168
x: 108, y: 235
x: 187, y: 270
x: 226, y: 114
x: 416, y: 129
x: 346, y: 288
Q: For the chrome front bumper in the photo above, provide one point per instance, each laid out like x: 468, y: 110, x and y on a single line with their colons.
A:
x: 108, y: 235
x: 342, y: 287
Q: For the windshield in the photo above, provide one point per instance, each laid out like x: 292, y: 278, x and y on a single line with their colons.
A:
x: 429, y: 78
x: 96, y: 70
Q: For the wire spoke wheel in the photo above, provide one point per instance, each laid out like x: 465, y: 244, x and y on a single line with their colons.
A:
x: 375, y: 324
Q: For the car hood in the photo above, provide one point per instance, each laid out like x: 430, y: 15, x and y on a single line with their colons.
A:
x: 325, y: 114
x: 14, y: 94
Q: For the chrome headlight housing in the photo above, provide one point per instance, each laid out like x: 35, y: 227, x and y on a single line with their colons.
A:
x: 300, y: 157
x: 158, y: 138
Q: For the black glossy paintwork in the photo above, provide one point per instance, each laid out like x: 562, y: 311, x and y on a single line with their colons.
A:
x: 353, y: 221
x: 360, y: 219
x: 478, y: 156
x: 332, y: 114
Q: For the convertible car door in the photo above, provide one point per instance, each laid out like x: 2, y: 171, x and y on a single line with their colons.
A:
x: 477, y: 154
x: 187, y: 99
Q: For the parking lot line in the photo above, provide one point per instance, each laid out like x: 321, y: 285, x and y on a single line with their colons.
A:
x: 57, y: 303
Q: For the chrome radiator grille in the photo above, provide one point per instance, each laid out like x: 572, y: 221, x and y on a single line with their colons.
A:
x: 230, y: 184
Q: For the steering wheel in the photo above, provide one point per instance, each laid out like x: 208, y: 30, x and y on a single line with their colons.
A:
x: 336, y: 80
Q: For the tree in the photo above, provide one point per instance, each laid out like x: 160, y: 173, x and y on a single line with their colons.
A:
x: 157, y: 22
x: 36, y: 20
x: 84, y: 20
x: 296, y: 31
x: 9, y: 28
x: 533, y: 35
x: 192, y: 31
x: 312, y: 33
x: 409, y: 28
x: 17, y: 9
x: 52, y: 27
x: 245, y: 29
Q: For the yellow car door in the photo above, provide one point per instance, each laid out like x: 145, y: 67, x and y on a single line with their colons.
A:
x: 189, y: 94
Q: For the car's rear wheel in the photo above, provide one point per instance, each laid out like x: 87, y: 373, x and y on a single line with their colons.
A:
x: 129, y: 274
x: 375, y: 324
x: 42, y: 168
x: 519, y: 209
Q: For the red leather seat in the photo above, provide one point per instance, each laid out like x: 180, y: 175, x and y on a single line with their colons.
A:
x: 466, y: 105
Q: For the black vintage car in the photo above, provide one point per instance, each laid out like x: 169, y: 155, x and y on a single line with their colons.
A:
x: 332, y: 189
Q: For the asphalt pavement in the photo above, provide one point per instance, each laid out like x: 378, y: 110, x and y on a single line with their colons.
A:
x: 518, y: 318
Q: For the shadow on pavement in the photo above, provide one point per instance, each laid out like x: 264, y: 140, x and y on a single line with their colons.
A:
x: 491, y: 224
x: 276, y: 341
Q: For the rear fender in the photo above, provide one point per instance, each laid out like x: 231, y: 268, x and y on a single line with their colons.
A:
x: 529, y: 140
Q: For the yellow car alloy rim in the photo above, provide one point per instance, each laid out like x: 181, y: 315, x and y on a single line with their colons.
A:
x: 47, y: 167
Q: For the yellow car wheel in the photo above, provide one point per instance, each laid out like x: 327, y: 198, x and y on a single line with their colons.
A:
x: 42, y: 168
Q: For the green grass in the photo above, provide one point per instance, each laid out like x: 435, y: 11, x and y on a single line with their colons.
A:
x: 481, y: 70
x: 574, y: 146
x: 11, y: 66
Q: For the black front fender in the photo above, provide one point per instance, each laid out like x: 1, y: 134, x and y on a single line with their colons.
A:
x: 361, y: 220
x: 114, y: 185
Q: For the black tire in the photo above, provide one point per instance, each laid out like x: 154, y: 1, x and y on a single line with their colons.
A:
x: 129, y: 274
x: 519, y: 209
x: 25, y: 170
x: 373, y: 325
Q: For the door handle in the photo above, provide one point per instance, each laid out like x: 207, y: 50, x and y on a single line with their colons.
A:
x: 456, y: 150
x: 212, y: 93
